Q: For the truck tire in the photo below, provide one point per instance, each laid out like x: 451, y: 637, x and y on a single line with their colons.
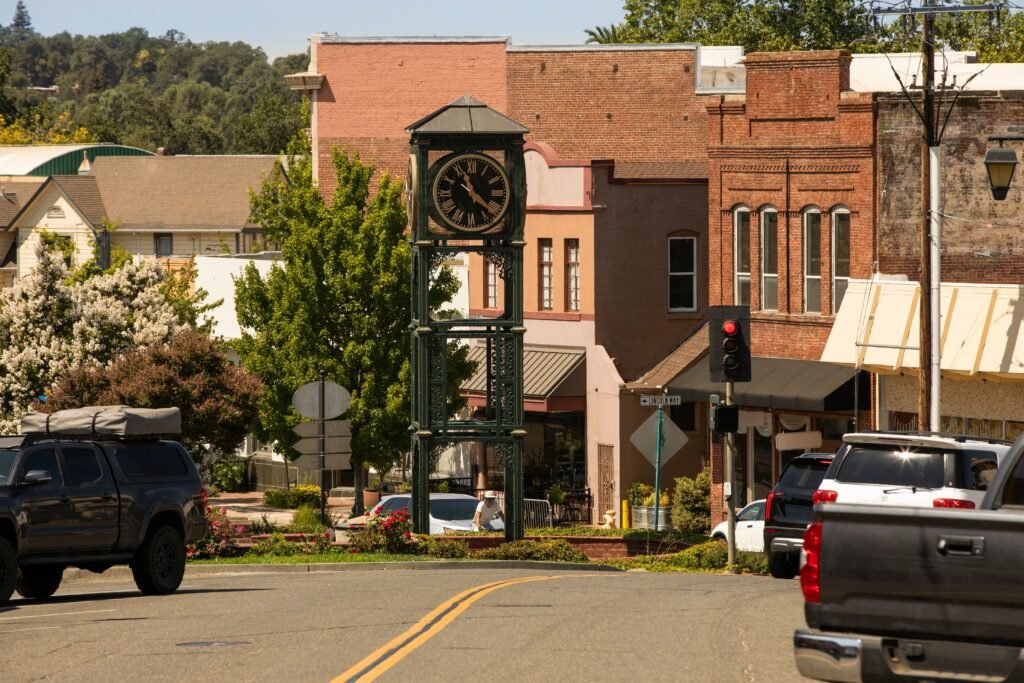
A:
x: 39, y: 582
x: 8, y: 570
x: 783, y: 565
x: 159, y: 563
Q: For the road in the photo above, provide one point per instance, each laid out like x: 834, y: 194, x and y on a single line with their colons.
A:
x: 505, y: 624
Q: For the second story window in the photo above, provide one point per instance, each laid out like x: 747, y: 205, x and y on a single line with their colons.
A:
x: 840, y: 256
x: 812, y: 261
x: 545, y: 274
x: 572, y: 275
x: 741, y: 229
x: 490, y: 284
x: 163, y: 245
x: 770, y: 260
x: 682, y: 273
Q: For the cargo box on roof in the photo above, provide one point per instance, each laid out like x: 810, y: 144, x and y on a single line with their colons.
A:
x: 103, y: 421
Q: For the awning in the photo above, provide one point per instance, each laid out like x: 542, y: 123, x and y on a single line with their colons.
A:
x: 554, y: 377
x: 780, y: 383
x: 877, y: 327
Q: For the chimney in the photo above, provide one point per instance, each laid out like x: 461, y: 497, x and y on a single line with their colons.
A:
x: 85, y: 166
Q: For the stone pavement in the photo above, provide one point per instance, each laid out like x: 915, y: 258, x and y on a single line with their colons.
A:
x: 245, y: 507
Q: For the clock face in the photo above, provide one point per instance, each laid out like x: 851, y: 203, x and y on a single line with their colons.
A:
x: 470, y: 192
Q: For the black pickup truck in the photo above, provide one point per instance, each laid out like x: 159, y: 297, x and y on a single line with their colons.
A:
x: 94, y: 503
x: 917, y: 594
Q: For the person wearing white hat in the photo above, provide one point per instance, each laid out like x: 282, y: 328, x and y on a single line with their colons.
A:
x: 486, y: 511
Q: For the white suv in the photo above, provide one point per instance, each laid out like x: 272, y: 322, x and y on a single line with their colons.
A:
x: 911, y: 470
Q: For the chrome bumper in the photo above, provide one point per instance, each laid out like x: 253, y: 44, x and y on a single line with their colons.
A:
x: 828, y: 658
x: 787, y: 545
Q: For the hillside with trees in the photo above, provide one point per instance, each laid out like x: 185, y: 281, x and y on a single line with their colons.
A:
x: 147, y: 91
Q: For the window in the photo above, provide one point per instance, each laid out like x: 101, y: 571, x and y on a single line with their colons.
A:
x: 66, y: 247
x: 896, y: 467
x: 741, y: 230
x: 150, y: 460
x: 490, y: 284
x: 770, y: 260
x: 544, y: 272
x: 163, y: 245
x: 812, y: 261
x: 840, y: 256
x: 83, y: 467
x: 682, y: 273
x: 44, y: 460
x: 572, y: 275
x: 55, y: 212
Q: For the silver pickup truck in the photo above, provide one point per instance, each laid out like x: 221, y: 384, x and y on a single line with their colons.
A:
x: 917, y: 594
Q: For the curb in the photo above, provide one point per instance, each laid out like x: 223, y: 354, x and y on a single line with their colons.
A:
x: 74, y: 575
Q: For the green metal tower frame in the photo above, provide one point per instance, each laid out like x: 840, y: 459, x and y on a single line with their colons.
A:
x: 467, y: 125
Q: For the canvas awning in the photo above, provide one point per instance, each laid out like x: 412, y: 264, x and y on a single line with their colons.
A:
x: 554, y: 377
x: 780, y: 383
x: 877, y: 327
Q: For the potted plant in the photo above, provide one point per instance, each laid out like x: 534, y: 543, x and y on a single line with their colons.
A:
x: 556, y: 496
x: 371, y: 494
x: 643, y: 509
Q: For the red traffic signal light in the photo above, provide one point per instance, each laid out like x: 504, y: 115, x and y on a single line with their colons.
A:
x: 729, y: 328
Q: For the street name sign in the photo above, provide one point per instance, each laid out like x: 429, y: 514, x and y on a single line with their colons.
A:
x: 645, y: 438
x: 306, y: 400
x: 661, y: 400
x: 331, y: 428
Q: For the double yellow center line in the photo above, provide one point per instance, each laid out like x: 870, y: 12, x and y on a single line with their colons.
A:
x: 385, y: 657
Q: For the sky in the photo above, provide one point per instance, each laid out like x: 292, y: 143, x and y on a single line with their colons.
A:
x: 282, y: 27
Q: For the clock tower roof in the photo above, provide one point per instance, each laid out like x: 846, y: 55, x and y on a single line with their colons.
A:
x: 467, y: 115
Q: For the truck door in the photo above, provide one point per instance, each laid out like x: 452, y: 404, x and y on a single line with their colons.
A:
x: 94, y: 498
x: 46, y: 508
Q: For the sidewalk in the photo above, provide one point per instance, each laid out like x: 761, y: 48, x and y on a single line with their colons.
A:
x: 244, y: 507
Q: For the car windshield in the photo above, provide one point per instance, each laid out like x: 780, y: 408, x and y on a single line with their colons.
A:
x: 804, y: 473
x: 893, y: 467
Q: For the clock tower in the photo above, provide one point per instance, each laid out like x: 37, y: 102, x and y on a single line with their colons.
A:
x: 467, y: 193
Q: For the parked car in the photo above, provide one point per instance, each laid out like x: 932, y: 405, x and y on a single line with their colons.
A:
x: 448, y: 512
x: 915, y: 470
x: 749, y: 528
x: 789, y: 509
x: 68, y: 500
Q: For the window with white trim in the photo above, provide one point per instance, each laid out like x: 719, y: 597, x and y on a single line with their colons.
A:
x: 770, y: 259
x: 812, y: 261
x: 545, y: 274
x: 490, y: 284
x: 741, y: 249
x: 840, y: 256
x: 572, y: 275
x: 682, y: 273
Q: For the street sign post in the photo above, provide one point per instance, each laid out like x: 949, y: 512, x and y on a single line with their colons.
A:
x: 308, y: 430
x: 332, y: 444
x: 658, y: 440
x: 320, y: 401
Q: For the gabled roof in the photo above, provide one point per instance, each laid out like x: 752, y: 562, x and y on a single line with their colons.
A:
x: 467, y: 115
x: 14, y: 194
x: 82, y: 191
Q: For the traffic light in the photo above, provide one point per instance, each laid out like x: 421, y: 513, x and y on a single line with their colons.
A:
x: 729, y: 344
x: 725, y: 419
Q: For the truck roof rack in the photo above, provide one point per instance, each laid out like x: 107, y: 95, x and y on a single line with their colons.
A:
x: 959, y: 438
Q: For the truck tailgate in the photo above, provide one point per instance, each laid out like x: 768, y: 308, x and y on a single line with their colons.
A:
x: 921, y: 573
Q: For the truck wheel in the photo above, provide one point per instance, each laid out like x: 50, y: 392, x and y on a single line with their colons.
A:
x: 8, y: 570
x: 159, y: 563
x: 783, y: 565
x: 39, y: 582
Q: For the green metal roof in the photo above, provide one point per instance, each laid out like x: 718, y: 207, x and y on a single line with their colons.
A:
x: 47, y: 160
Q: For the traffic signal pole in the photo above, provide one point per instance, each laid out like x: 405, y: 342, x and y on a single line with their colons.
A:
x: 730, y: 480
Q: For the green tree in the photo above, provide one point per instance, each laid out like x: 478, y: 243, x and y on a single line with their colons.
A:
x: 21, y: 20
x: 339, y: 304
x: 272, y: 122
x: 602, y: 35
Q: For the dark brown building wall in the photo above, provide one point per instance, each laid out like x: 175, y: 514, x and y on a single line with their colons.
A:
x: 631, y: 265
x: 982, y: 239
x: 599, y: 104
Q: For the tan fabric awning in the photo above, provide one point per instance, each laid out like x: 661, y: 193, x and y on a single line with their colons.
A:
x: 547, y: 371
x: 877, y: 327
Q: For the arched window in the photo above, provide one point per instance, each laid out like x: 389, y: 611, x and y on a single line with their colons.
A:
x: 741, y: 249
x: 812, y: 261
x: 769, y: 259
x: 840, y: 256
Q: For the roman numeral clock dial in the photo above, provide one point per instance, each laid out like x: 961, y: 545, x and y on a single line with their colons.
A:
x: 470, y: 192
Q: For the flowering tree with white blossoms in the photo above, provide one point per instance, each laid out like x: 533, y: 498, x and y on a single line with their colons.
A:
x: 48, y: 325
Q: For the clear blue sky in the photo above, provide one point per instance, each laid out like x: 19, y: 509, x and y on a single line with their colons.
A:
x: 282, y: 26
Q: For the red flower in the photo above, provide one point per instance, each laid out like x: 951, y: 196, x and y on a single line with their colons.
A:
x: 408, y: 535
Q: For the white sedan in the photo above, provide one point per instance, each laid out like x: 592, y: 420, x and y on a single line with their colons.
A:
x: 448, y: 511
x: 749, y: 528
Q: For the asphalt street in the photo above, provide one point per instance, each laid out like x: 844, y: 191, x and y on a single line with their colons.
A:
x: 438, y: 624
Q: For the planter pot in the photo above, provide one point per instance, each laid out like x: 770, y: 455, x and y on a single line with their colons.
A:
x: 643, y: 517
x: 370, y: 498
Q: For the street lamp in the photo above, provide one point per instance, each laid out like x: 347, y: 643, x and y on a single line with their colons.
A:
x: 1000, y: 164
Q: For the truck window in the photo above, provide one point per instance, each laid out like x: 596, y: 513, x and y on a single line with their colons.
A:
x: 1013, y: 491
x: 45, y: 460
x: 803, y: 473
x: 82, y: 465
x: 150, y: 460
x: 893, y: 467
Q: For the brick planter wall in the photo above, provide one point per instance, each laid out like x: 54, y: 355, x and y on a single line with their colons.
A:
x: 594, y: 547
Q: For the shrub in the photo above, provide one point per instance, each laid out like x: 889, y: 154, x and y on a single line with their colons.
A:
x: 306, y: 494
x: 638, y: 492
x: 405, y: 487
x: 389, y: 532
x: 692, y: 509
x: 442, y: 486
x: 713, y: 555
x: 229, y: 474
x: 220, y: 534
x: 276, y: 544
x: 445, y: 548
x: 554, y: 550
x: 556, y: 496
x: 306, y: 520
x: 263, y: 526
x: 664, y: 500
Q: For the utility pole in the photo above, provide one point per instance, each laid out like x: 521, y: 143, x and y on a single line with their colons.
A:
x: 929, y: 346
